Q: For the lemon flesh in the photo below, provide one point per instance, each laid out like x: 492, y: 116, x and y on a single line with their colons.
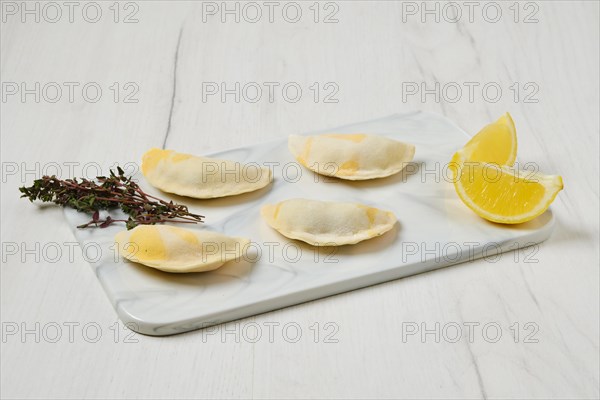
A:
x: 504, y: 194
x: 496, y: 143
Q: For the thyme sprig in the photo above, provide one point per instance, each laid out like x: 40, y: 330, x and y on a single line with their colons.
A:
x: 114, y: 191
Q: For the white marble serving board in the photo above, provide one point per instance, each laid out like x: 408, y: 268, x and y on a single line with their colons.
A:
x: 435, y: 230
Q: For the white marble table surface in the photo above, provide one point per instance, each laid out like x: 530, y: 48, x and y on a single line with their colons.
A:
x: 528, y: 321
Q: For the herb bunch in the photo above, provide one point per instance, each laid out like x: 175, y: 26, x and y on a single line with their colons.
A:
x: 115, y: 191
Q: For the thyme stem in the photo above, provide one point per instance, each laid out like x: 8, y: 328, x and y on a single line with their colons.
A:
x: 115, y: 191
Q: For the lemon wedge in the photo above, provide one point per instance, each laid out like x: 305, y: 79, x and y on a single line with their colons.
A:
x: 496, y: 143
x: 504, y: 194
x: 486, y: 181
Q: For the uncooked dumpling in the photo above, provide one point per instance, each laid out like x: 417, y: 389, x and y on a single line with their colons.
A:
x: 174, y: 249
x: 324, y: 223
x: 201, y: 177
x: 351, y: 156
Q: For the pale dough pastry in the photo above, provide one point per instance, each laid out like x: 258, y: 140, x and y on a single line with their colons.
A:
x: 351, y: 156
x: 324, y: 223
x: 173, y: 249
x: 201, y: 177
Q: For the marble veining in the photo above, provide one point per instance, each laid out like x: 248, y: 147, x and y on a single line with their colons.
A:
x: 434, y: 230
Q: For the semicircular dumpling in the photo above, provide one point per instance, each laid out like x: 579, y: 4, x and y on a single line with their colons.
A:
x: 351, y: 156
x: 201, y: 177
x: 325, y: 223
x: 174, y: 249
